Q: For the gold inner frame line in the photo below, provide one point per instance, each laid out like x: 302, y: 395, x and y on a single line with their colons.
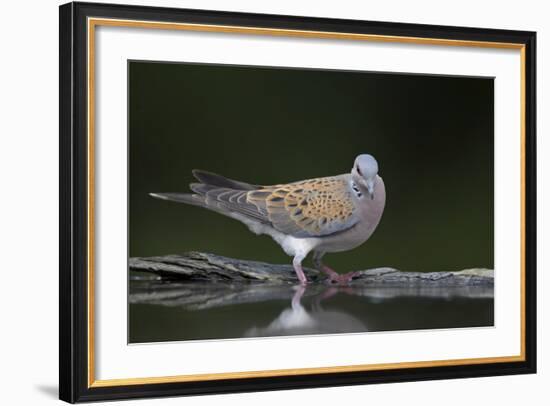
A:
x: 94, y: 22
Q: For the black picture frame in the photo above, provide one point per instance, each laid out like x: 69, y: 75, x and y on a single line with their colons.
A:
x: 74, y: 200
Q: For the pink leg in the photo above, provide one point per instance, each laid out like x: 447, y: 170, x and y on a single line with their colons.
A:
x: 297, y: 263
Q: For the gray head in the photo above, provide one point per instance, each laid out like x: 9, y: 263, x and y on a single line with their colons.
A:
x: 364, y: 173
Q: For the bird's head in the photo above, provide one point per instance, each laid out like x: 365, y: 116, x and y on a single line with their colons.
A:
x: 364, y: 173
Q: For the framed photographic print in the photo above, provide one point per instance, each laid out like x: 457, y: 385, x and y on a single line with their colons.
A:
x: 256, y: 202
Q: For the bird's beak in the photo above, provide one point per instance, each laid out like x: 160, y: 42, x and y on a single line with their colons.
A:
x: 370, y: 188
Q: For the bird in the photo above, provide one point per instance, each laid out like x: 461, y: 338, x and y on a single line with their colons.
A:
x: 320, y: 215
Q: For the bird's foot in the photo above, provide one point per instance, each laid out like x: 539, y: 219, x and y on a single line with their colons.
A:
x: 336, y: 279
x: 344, y: 279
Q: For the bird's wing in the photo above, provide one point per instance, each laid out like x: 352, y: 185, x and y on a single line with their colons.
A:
x: 310, y: 208
x: 227, y: 200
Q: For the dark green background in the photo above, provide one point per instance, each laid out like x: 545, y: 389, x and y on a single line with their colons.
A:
x: 432, y: 137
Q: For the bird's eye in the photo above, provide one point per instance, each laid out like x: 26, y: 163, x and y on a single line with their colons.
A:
x: 358, y: 170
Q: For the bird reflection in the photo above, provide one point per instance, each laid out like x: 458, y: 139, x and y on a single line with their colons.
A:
x: 296, y: 319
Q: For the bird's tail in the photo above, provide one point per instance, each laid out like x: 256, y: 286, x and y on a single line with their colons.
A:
x: 208, y: 181
x: 187, y: 198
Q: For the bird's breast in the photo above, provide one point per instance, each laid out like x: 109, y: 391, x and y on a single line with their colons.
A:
x: 369, y: 215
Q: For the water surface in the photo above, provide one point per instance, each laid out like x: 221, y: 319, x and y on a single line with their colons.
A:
x: 173, y: 311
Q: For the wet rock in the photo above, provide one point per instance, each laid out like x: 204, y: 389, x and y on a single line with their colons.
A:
x: 202, y: 266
